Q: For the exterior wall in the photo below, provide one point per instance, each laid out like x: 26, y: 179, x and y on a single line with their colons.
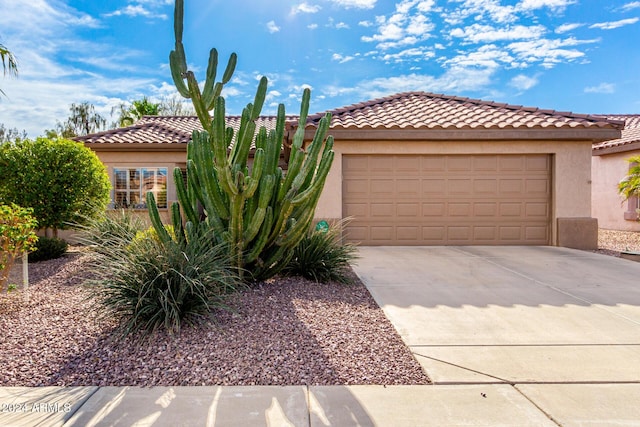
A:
x: 571, y: 170
x: 608, y: 205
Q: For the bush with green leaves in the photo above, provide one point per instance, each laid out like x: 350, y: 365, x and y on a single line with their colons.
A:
x: 47, y: 248
x: 61, y: 180
x: 148, y: 284
x: 17, y: 236
x: 323, y: 257
x: 630, y: 185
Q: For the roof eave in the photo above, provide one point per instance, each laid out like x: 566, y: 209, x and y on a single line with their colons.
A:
x: 622, y: 148
x: 370, y: 134
x: 137, y: 147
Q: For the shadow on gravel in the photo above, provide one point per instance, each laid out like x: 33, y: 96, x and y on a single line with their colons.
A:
x: 289, y: 332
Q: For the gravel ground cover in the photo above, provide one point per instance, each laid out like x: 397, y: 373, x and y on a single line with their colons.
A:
x: 612, y: 242
x: 288, y: 331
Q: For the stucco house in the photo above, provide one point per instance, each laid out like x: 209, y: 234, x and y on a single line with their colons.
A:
x: 609, y: 167
x: 416, y: 168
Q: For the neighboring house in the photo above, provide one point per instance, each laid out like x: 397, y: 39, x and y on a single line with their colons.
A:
x: 609, y: 167
x: 417, y: 169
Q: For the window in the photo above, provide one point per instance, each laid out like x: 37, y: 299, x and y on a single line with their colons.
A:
x: 131, y: 186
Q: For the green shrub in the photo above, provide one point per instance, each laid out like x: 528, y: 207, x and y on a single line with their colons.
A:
x: 321, y: 256
x: 17, y: 236
x: 47, y: 248
x: 150, y: 285
x: 63, y: 181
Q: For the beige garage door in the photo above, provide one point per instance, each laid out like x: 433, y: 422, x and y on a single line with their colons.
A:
x: 447, y: 200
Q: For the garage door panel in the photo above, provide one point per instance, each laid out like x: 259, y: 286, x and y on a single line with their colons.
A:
x: 459, y: 163
x: 459, y: 209
x: 458, y: 187
x: 382, y: 210
x: 433, y: 209
x: 434, y: 187
x: 411, y: 210
x: 447, y: 200
x: 485, y: 163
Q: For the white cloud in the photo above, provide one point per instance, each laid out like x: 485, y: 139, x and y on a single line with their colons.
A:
x: 365, y: 24
x: 272, y: 27
x: 601, y: 88
x: 555, y: 5
x: 356, y: 4
x: 615, y: 24
x: 630, y: 6
x: 564, y: 28
x: 487, y: 56
x: 136, y: 10
x: 416, y: 54
x: 342, y: 26
x: 478, y: 33
x: 405, y: 27
x: 340, y: 58
x: 548, y: 52
x: 522, y: 82
x: 312, y: 26
x: 305, y: 8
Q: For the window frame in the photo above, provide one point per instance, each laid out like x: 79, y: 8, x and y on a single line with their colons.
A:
x: 158, y: 185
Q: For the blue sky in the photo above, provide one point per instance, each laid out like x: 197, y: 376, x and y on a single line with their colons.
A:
x: 569, y: 55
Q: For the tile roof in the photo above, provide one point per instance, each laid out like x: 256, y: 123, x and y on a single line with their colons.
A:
x: 422, y: 110
x: 165, y: 130
x: 630, y: 133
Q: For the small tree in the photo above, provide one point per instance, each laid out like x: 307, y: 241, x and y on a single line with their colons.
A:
x: 83, y: 120
x: 17, y: 236
x: 61, y: 180
x: 128, y: 115
x: 630, y: 185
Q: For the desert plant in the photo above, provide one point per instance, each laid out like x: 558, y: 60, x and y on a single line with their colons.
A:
x: 147, y: 284
x: 117, y: 228
x: 260, y: 212
x: 17, y: 236
x: 47, y: 248
x: 61, y: 180
x: 322, y: 256
x: 630, y: 185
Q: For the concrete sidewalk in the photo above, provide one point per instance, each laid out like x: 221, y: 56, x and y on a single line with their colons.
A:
x: 487, y: 404
x: 510, y: 336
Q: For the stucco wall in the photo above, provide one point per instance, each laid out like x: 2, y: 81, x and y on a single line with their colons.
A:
x: 571, y: 192
x: 607, y: 205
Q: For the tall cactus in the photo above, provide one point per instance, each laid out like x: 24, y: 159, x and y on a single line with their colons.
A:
x: 258, y: 210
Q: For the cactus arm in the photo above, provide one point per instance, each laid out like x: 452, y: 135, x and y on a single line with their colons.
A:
x: 256, y: 174
x: 196, y: 99
x: 176, y: 75
x: 262, y: 238
x: 154, y: 216
x: 181, y: 190
x: 240, y: 150
x: 209, y: 83
x: 258, y: 217
x: 178, y: 19
x: 318, y: 183
x: 231, y: 68
x: 176, y: 219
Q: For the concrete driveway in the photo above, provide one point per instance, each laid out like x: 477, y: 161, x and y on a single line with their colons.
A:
x: 559, y: 324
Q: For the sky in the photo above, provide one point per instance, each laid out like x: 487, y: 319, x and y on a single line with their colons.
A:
x: 568, y: 55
